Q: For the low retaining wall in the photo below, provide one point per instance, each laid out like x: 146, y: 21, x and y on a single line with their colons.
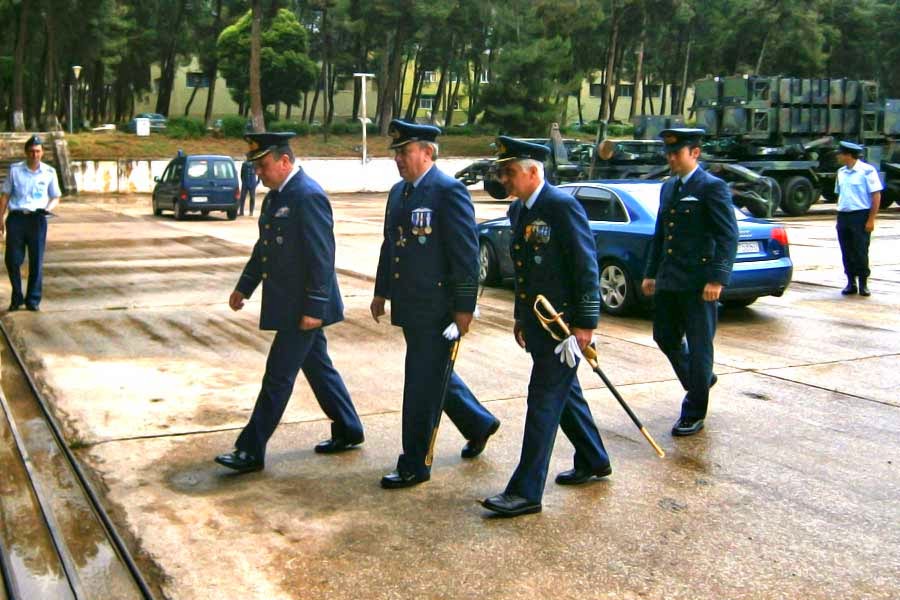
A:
x: 335, y: 175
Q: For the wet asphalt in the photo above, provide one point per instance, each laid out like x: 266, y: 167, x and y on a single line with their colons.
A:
x: 791, y: 491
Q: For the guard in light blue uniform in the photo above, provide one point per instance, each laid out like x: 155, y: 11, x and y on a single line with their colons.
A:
x: 30, y: 193
x: 294, y: 261
x: 688, y: 265
x: 555, y: 255
x: 428, y: 270
x: 858, y: 189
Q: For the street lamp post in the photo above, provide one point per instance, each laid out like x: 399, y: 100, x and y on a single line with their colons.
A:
x: 363, y: 116
x: 76, y: 71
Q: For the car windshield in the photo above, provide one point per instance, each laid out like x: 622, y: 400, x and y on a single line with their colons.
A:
x: 210, y: 169
x: 648, y: 195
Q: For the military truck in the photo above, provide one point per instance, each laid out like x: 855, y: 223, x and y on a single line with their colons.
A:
x: 787, y: 129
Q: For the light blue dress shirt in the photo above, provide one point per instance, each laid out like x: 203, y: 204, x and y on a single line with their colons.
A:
x: 30, y: 190
x: 855, y: 186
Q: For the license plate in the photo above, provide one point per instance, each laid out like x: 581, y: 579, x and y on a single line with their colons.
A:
x: 199, y: 199
x: 748, y: 247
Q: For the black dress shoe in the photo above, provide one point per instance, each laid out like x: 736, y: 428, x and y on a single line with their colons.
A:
x: 850, y: 289
x: 510, y: 505
x: 578, y: 476
x: 13, y: 306
x: 686, y: 426
x: 713, y: 380
x: 240, y: 461
x: 402, y: 479
x: 475, y: 447
x: 863, y: 287
x: 337, y: 444
x: 33, y: 307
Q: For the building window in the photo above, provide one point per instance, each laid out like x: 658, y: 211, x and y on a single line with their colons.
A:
x: 626, y: 90
x: 654, y: 90
x: 596, y: 90
x: 426, y: 103
x: 484, y: 76
x: 429, y: 77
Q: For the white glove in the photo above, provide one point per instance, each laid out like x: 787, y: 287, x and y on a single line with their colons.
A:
x: 568, y: 351
x: 452, y: 332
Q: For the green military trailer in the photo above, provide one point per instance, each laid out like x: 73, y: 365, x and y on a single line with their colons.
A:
x: 787, y: 129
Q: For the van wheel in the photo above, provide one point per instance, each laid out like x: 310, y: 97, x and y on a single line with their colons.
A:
x: 178, y: 211
x: 232, y: 214
x: 204, y: 212
x: 488, y: 269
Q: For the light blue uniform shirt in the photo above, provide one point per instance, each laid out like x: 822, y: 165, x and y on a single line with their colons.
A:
x: 30, y: 190
x: 855, y: 186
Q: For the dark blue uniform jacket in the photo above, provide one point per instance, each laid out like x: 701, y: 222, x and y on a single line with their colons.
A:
x: 696, y: 235
x: 554, y: 254
x: 431, y: 273
x: 294, y: 258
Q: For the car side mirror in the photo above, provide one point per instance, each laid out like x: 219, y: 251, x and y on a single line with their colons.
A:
x: 156, y: 179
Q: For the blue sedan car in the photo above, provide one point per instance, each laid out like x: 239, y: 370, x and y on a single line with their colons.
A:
x: 622, y: 216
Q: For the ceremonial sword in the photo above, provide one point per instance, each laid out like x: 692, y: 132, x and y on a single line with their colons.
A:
x: 541, y: 304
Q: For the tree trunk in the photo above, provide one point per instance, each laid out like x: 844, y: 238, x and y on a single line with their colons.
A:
x: 418, y: 78
x: 167, y: 74
x: 256, y: 107
x: 606, y: 108
x: 187, y: 107
x: 682, y: 93
x: 319, y: 86
x: 637, y: 95
x: 436, y: 103
x: 762, y: 53
x: 474, y: 85
x: 448, y: 115
x: 19, y: 69
x: 213, y: 68
x: 388, y: 103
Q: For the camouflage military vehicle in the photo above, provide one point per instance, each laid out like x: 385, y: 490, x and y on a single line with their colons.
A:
x: 787, y: 129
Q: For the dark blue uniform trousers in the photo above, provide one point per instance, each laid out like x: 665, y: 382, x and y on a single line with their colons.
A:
x: 854, y: 241
x: 25, y: 232
x: 684, y: 328
x: 427, y: 353
x: 291, y: 351
x: 555, y: 401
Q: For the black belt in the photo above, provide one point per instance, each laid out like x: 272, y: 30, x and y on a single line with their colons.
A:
x: 26, y: 212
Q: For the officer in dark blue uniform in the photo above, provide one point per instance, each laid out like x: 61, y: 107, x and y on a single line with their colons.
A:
x: 554, y: 254
x: 428, y: 269
x: 294, y: 260
x: 248, y: 187
x: 689, y: 264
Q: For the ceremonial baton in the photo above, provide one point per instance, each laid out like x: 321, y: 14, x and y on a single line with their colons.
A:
x: 445, y: 385
x: 541, y: 306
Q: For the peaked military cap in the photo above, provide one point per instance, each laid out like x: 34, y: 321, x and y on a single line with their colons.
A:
x: 263, y: 143
x: 512, y: 149
x: 679, y: 137
x: 34, y: 140
x: 403, y: 132
x: 850, y: 148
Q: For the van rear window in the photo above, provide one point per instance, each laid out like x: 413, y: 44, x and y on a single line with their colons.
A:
x: 210, y: 169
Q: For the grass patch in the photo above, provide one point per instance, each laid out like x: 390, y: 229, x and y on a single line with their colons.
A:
x: 120, y: 145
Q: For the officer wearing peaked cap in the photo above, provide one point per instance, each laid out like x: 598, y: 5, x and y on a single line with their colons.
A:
x: 554, y: 254
x: 428, y: 270
x: 688, y: 265
x: 858, y: 188
x: 294, y: 260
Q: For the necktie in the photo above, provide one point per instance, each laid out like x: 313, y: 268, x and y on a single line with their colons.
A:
x: 677, y: 187
x: 408, y: 188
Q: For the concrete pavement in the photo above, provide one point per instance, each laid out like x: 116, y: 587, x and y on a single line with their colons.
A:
x: 790, y: 492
